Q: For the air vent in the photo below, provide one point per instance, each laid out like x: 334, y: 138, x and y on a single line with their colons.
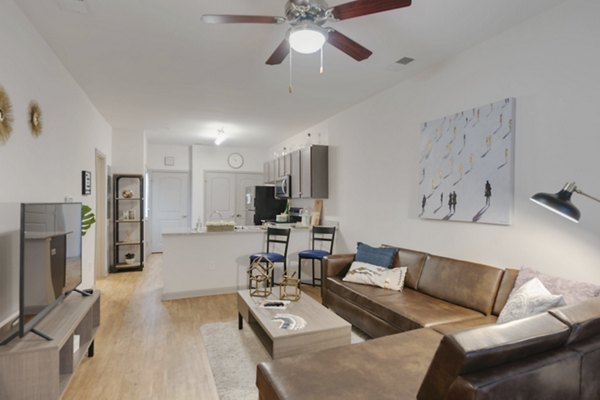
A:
x: 405, y: 60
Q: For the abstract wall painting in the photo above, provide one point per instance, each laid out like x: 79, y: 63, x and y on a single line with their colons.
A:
x: 466, y: 165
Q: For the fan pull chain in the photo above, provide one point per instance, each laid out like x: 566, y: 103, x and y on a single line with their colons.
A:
x: 290, y: 88
x: 321, y: 70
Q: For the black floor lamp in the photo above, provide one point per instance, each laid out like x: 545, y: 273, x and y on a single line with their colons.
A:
x: 560, y: 202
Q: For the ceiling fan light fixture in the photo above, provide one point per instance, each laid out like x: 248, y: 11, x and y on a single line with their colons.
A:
x: 307, y: 38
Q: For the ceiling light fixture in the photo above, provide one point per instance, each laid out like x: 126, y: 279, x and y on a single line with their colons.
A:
x: 220, y: 137
x: 560, y: 202
x: 307, y: 38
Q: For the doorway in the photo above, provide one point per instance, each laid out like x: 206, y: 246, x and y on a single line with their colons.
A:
x: 169, y: 204
x: 100, y: 259
x: 225, y: 195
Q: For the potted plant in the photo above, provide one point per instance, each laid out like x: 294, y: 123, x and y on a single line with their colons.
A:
x: 129, y: 258
x: 87, y: 218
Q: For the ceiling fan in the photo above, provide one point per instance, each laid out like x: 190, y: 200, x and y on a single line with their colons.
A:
x: 307, y: 19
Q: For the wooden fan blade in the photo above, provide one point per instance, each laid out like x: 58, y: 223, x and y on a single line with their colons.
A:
x: 279, y: 54
x: 348, y: 46
x: 241, y: 19
x: 365, y: 7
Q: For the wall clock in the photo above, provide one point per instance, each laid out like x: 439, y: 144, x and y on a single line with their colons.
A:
x: 235, y: 160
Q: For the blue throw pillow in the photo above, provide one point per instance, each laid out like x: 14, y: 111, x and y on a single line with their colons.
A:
x: 381, y: 256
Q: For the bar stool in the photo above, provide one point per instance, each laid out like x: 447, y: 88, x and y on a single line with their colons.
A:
x: 319, y: 234
x: 275, y: 236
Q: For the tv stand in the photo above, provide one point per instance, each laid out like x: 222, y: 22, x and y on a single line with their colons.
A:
x: 85, y: 292
x: 41, y: 334
x: 35, y: 368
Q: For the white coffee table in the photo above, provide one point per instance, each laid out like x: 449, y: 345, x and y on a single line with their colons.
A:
x: 323, y: 330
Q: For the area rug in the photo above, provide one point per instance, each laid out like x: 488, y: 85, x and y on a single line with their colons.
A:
x: 233, y: 355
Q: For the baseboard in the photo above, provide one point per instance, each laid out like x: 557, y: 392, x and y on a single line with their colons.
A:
x: 198, y: 293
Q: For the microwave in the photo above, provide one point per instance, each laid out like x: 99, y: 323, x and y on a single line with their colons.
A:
x: 283, y: 187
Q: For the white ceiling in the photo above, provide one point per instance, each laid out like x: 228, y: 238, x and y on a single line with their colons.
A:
x: 153, y: 65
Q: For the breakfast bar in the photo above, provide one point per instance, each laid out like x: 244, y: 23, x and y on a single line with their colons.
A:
x: 199, y: 263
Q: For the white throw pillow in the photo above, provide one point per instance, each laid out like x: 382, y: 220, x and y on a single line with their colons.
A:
x: 369, y: 274
x: 530, y: 299
x: 573, y: 292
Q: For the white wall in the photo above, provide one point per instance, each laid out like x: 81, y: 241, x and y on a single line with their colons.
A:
x: 213, y: 158
x: 129, y: 152
x: 550, y: 65
x: 155, y: 160
x: 48, y: 168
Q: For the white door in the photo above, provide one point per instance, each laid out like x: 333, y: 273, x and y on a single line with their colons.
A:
x: 170, y: 204
x: 219, y: 201
x: 242, y: 182
x: 101, y: 200
x: 225, y: 195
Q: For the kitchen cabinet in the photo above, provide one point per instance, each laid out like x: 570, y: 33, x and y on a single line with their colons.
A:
x: 266, y: 177
x: 308, y: 169
x: 287, y: 164
x: 295, y: 173
x: 280, y: 166
x: 314, y: 172
x: 270, y: 171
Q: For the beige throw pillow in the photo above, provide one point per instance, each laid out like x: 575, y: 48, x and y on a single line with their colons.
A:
x: 530, y: 299
x: 369, y: 274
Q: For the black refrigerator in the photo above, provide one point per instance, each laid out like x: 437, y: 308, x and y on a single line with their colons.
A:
x: 261, y: 204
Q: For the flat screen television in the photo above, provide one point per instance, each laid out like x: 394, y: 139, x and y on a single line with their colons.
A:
x: 50, y: 262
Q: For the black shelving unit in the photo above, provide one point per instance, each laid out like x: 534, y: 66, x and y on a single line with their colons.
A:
x: 128, y: 220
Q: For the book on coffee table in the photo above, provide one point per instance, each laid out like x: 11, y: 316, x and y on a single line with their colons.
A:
x: 273, y: 304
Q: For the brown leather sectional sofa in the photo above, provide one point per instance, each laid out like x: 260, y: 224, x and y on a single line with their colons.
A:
x: 555, y: 355
x: 440, y: 293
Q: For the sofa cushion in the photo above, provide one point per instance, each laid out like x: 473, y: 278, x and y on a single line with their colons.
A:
x: 549, y: 376
x: 414, y: 260
x: 573, y: 291
x: 589, y: 351
x: 454, y: 327
x: 489, y: 346
x: 364, y: 320
x: 460, y: 282
x: 368, y: 274
x: 381, y: 256
x: 411, y: 309
x: 583, y: 318
x: 506, y: 286
x: 355, y: 292
x: 357, y: 371
x: 405, y: 310
x: 530, y: 299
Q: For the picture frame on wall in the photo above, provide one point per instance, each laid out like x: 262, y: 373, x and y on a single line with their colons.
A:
x: 86, y: 183
x: 466, y: 166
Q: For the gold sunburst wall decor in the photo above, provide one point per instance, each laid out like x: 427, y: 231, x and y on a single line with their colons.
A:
x: 6, y: 117
x: 35, y: 118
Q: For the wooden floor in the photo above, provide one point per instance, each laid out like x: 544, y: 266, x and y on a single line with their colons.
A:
x: 147, y: 348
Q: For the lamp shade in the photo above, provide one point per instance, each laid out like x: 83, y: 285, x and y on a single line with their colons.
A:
x: 307, y: 38
x: 559, y: 203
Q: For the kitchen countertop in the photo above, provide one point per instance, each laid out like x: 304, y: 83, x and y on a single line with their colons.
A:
x: 238, y: 229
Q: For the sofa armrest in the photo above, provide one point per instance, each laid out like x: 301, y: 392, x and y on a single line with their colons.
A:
x: 334, y: 265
